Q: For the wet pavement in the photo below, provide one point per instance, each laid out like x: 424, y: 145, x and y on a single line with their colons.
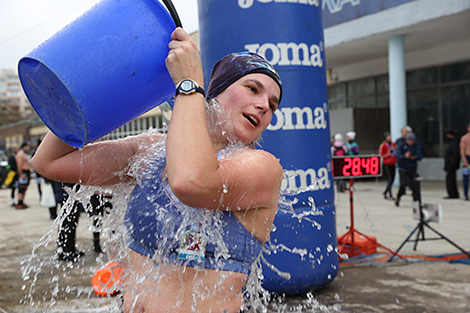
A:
x: 372, y: 286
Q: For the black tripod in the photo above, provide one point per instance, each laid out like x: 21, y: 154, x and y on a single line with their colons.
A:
x: 421, y: 226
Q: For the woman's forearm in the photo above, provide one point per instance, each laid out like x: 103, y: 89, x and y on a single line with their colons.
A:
x: 50, y: 149
x: 94, y: 164
x: 191, y: 161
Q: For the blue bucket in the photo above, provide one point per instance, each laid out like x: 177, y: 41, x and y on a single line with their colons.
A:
x: 102, y: 70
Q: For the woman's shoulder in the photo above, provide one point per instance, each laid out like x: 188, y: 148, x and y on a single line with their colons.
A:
x: 263, y: 160
x: 255, y: 153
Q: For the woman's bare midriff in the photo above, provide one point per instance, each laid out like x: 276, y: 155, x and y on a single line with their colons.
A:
x: 153, y: 288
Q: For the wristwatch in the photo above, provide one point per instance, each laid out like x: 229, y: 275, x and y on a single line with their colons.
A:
x: 188, y: 87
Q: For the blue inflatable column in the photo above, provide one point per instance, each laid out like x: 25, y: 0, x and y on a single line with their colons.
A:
x: 290, y: 35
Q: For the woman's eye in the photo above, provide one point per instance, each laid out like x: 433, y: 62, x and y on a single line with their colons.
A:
x: 253, y: 89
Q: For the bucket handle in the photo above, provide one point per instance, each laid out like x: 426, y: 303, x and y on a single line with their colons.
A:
x: 169, y: 5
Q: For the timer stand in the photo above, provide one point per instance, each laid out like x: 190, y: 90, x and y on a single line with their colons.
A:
x: 421, y: 225
x: 349, y: 236
x: 352, y: 167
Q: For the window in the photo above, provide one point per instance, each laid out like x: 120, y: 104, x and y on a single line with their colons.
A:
x: 456, y: 107
x: 337, y: 96
x: 361, y: 93
x: 423, y: 117
x: 421, y: 78
x: 438, y: 100
x: 455, y: 72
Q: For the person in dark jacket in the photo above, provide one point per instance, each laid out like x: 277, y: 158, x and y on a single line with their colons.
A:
x: 59, y: 194
x: 66, y: 250
x: 13, y: 185
x: 98, y: 205
x: 403, y: 131
x: 451, y: 165
x: 408, y: 154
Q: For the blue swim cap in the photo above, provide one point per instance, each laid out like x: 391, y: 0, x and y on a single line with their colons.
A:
x: 236, y: 65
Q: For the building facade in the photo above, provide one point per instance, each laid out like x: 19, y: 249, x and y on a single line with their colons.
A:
x: 396, y: 63
x: 13, y: 103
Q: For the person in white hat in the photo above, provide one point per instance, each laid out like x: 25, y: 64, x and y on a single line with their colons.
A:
x: 351, y: 144
x: 339, y: 149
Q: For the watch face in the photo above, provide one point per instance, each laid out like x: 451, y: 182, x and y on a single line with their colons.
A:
x: 187, y: 85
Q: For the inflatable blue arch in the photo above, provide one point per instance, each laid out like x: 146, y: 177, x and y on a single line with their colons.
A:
x: 290, y: 35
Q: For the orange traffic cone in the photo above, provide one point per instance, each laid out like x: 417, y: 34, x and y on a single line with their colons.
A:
x: 107, y: 280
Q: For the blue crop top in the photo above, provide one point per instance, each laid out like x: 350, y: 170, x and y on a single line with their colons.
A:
x: 156, y: 220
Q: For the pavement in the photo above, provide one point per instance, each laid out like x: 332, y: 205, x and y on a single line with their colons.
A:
x: 416, y: 284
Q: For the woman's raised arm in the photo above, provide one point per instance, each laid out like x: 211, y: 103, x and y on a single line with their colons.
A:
x: 94, y: 164
x: 248, y: 179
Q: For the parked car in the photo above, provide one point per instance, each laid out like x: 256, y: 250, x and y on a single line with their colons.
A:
x: 3, y: 167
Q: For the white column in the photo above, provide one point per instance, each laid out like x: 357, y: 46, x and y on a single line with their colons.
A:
x: 397, y: 84
x: 397, y: 88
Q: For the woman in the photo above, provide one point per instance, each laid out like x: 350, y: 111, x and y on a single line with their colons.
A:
x: 339, y: 148
x: 387, y: 151
x: 351, y: 144
x: 207, y: 168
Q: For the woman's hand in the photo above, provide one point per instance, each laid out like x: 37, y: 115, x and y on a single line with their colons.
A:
x: 183, y: 61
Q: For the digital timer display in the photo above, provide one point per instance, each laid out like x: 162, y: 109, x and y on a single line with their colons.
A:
x: 356, y: 166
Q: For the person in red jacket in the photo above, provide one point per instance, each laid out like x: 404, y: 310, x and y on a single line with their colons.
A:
x: 387, y: 151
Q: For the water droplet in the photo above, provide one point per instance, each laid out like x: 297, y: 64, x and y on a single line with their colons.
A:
x: 336, y: 307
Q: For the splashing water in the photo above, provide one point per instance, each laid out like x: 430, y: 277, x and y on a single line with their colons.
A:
x: 113, y: 225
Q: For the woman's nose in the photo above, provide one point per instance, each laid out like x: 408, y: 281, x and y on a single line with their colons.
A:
x: 263, y: 105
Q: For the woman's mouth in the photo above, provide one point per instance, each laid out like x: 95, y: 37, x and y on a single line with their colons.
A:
x: 251, y: 119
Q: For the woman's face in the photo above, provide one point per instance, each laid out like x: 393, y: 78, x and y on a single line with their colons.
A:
x: 249, y: 105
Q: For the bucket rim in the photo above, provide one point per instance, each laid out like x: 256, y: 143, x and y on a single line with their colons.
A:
x: 73, y: 143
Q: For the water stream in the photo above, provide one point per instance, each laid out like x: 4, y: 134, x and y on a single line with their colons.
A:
x: 115, y: 236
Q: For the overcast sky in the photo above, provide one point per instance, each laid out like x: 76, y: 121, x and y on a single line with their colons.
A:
x: 24, y: 24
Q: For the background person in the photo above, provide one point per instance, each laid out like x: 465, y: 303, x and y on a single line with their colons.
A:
x: 465, y: 155
x: 66, y: 238
x: 339, y: 148
x: 60, y: 196
x: 14, y: 183
x: 36, y: 174
x: 404, y: 131
x: 204, y: 166
x: 451, y: 165
x: 408, y: 154
x: 351, y: 144
x: 387, y: 151
x: 100, y: 203
x: 24, y: 174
